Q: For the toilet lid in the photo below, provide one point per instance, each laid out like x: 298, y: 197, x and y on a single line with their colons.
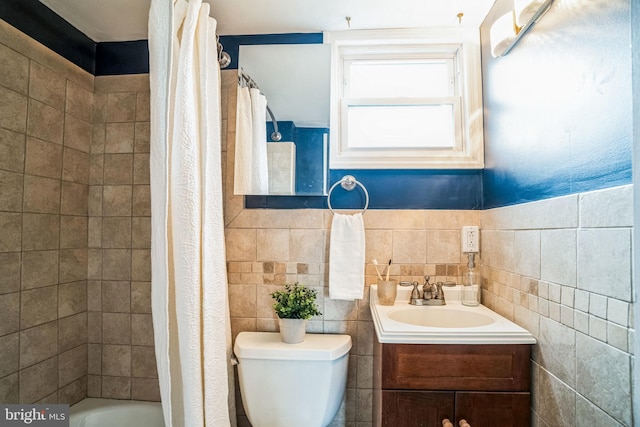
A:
x: 268, y: 345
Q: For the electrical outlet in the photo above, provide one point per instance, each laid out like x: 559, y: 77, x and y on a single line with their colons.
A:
x: 470, y: 238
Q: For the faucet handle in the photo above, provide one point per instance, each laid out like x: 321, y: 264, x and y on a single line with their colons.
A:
x: 416, y: 299
x: 426, y: 291
x: 426, y: 288
x: 439, y: 293
x: 415, y: 293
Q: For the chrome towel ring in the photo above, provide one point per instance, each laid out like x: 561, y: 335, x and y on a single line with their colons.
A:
x: 348, y: 182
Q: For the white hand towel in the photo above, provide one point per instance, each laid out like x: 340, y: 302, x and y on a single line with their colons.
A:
x: 346, y: 257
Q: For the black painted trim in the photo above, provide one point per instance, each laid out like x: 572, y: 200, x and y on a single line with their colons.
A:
x: 116, y: 58
x: 285, y: 202
x: 132, y: 57
x: 45, y: 26
x: 231, y: 44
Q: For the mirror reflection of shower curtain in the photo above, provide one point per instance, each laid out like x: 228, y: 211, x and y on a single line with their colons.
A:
x: 260, y: 171
x: 251, y: 175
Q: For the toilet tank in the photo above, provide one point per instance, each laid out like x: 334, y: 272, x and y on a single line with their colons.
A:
x: 291, y: 384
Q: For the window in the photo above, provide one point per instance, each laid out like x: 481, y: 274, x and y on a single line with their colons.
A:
x: 405, y: 99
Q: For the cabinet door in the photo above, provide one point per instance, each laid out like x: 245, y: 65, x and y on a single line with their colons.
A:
x: 416, y: 408
x: 493, y: 409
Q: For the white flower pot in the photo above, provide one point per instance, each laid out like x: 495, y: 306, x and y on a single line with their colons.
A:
x: 292, y: 331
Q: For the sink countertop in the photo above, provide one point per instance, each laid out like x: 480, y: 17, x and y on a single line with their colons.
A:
x: 501, y: 331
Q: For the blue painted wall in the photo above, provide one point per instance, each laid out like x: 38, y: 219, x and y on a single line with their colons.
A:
x: 309, y: 152
x: 411, y: 189
x: 309, y: 170
x: 391, y: 189
x: 558, y: 107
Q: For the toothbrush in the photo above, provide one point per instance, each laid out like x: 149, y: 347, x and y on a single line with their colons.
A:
x: 375, y: 263
x: 388, y: 270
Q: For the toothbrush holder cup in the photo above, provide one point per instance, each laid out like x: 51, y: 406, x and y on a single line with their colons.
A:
x: 387, y: 291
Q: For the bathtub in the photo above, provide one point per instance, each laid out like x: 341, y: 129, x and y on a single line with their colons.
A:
x: 110, y: 413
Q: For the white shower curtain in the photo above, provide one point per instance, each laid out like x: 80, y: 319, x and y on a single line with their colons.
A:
x: 189, y: 284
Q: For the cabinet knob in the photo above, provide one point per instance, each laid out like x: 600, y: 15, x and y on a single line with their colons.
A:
x: 447, y: 423
x: 464, y: 423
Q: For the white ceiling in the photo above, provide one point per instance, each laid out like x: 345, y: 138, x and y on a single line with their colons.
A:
x: 122, y: 20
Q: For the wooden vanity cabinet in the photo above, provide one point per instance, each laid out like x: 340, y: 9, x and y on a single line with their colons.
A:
x: 418, y: 385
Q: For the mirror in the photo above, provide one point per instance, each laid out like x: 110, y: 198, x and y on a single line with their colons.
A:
x: 295, y: 79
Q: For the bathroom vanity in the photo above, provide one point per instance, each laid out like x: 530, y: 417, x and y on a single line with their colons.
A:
x: 424, y: 374
x: 422, y: 384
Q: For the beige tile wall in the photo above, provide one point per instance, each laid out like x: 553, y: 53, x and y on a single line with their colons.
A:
x: 74, y: 206
x: 267, y: 248
x: 45, y: 134
x: 121, y: 354
x: 562, y: 269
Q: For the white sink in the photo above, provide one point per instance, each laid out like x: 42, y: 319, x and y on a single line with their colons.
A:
x: 443, y: 318
x: 452, y: 323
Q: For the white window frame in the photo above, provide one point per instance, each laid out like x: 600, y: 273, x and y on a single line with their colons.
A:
x: 461, y: 46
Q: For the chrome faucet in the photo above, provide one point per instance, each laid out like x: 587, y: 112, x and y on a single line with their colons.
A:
x: 432, y: 294
x: 434, y: 291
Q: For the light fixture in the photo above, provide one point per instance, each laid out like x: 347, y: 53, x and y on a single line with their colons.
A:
x: 525, y: 10
x: 507, y: 30
x: 503, y: 34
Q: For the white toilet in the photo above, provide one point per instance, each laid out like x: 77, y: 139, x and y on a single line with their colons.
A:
x: 291, y: 385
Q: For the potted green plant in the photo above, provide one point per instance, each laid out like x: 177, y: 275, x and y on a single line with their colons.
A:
x: 295, y: 305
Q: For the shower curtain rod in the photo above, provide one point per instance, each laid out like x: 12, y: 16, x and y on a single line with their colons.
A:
x: 224, y: 59
x: 276, y: 135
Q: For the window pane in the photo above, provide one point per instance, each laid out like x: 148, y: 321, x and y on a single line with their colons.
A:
x: 400, y: 126
x: 397, y: 79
